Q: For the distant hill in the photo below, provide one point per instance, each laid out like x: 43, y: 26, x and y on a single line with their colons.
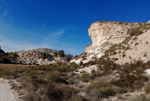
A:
x: 40, y: 56
x: 45, y: 50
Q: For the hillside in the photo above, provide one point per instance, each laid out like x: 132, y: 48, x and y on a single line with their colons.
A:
x: 134, y: 49
x: 113, y: 40
x: 2, y: 54
x: 118, y: 59
x: 115, y: 67
x: 41, y: 56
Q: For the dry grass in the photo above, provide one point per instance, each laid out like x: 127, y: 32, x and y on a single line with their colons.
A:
x: 130, y: 79
x: 7, y: 66
x: 41, y: 83
x: 49, y: 83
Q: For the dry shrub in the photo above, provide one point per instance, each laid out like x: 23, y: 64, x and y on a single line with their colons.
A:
x: 54, y: 75
x: 84, y: 76
x: 54, y: 92
x: 32, y: 96
x: 99, y: 90
x: 147, y: 89
x: 130, y: 81
x: 140, y: 98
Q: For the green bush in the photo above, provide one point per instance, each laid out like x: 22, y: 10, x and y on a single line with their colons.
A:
x: 134, y: 81
x: 72, y: 66
x: 100, y: 89
x: 106, y: 92
x: 55, y: 54
x: 33, y: 73
x: 14, y: 54
x: 61, y: 53
x: 53, y: 75
x: 147, y: 89
x: 8, y: 72
x: 101, y: 92
x: 84, y: 75
x: 44, y: 55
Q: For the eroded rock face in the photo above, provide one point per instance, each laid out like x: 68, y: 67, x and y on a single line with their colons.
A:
x: 148, y: 22
x: 27, y: 57
x: 138, y: 49
x: 105, y: 34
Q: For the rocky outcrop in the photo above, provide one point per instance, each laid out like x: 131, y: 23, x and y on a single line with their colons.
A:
x: 122, y: 42
x: 148, y: 22
x: 41, y: 56
x: 51, y: 52
x: 105, y: 34
x: 137, y: 48
x: 27, y: 57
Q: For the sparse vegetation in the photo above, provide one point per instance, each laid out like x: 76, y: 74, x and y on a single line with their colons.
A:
x: 123, y: 55
x: 131, y: 76
x: 145, y: 54
x: 136, y: 44
x: 49, y: 79
x: 147, y: 89
x: 100, y: 90
x: 130, y: 79
x: 147, y: 43
x: 133, y: 33
x: 59, y: 81
x: 54, y: 75
x: 84, y: 77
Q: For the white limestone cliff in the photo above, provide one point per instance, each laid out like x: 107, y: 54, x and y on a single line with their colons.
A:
x: 105, y: 34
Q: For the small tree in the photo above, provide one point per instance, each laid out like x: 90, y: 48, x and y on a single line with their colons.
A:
x: 44, y: 55
x: 61, y: 53
x: 14, y: 54
x: 55, y: 54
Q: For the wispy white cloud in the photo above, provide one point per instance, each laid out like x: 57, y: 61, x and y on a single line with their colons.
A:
x: 3, y: 8
x: 5, y: 13
x: 52, y: 40
x: 11, y: 38
x: 55, y: 35
x: 52, y: 37
x: 9, y: 46
x: 14, y: 38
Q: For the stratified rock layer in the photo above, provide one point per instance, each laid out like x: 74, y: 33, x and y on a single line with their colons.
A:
x: 105, y: 34
x: 120, y: 42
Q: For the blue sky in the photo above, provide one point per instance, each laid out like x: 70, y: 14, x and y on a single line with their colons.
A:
x: 61, y: 24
